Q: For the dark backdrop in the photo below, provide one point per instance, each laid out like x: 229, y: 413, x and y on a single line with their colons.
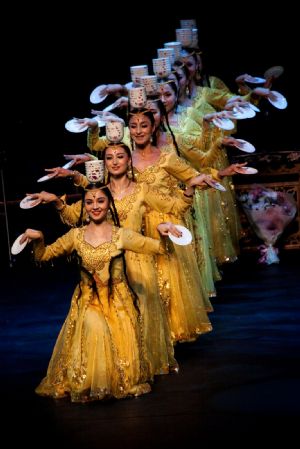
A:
x: 51, y: 64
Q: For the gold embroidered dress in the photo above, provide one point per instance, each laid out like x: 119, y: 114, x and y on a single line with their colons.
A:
x: 201, y: 149
x: 219, y: 208
x: 141, y: 268
x: 179, y: 278
x: 99, y: 351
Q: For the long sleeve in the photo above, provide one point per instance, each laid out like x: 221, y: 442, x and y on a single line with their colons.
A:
x: 216, y: 97
x: 179, y: 168
x: 82, y: 182
x: 133, y: 241
x: 70, y: 213
x: 95, y: 142
x: 62, y: 246
x: 217, y: 83
x: 162, y: 202
x: 198, y: 152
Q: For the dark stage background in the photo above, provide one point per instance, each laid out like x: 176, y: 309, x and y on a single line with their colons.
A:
x: 52, y: 64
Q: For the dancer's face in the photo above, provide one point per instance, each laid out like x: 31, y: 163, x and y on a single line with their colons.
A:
x: 96, y: 205
x: 168, y: 97
x: 117, y: 161
x: 191, y: 65
x: 141, y: 129
x: 153, y: 107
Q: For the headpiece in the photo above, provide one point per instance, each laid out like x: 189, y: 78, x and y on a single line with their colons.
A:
x: 114, y: 130
x: 161, y: 67
x: 136, y: 71
x: 137, y: 97
x: 94, y: 170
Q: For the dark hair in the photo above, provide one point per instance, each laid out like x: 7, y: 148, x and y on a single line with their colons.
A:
x: 127, y: 151
x: 202, y: 78
x: 164, y: 114
x: 150, y: 116
x: 104, y: 188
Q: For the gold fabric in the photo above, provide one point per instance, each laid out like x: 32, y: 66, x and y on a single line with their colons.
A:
x: 99, y: 351
x: 179, y: 278
x: 219, y: 208
x: 201, y: 150
x: 141, y: 268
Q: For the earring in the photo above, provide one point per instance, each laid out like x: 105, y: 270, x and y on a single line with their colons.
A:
x: 129, y: 171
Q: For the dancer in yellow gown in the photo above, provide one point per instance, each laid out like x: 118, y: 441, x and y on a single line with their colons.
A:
x: 132, y: 201
x: 98, y: 352
x: 179, y: 278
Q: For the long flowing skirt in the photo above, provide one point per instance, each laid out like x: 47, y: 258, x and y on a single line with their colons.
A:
x: 97, y: 352
x: 180, y: 285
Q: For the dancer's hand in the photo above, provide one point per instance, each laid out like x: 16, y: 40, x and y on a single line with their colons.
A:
x: 31, y: 234
x: 168, y: 227
x: 43, y: 197
x: 79, y: 158
x: 230, y: 170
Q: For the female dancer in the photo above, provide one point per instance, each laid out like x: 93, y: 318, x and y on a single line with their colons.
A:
x: 98, y: 353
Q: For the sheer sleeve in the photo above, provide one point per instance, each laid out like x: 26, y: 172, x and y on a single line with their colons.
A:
x: 136, y: 242
x: 62, y: 246
x: 70, y: 213
x: 162, y: 202
x: 95, y: 142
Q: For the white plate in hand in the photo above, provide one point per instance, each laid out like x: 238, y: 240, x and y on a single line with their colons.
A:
x: 99, y: 94
x: 17, y: 247
x: 277, y: 99
x: 185, y: 238
x: 28, y: 202
x: 246, y: 170
x: 74, y: 126
x: 46, y: 177
x: 247, y: 111
x: 215, y: 185
x: 223, y: 123
x: 243, y: 145
x: 241, y: 112
x: 254, y: 79
x: 69, y: 164
x: 253, y: 106
x: 52, y: 175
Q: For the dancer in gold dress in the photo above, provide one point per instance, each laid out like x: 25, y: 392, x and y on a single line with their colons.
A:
x: 99, y: 350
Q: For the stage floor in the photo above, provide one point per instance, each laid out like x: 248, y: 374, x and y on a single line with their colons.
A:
x: 234, y: 384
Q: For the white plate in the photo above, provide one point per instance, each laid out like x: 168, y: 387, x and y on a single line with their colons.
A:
x: 99, y: 94
x: 277, y: 99
x: 69, y: 164
x: 223, y: 123
x: 247, y: 111
x: 28, y: 202
x: 74, y: 127
x: 246, y: 170
x: 254, y: 79
x: 241, y: 113
x: 243, y: 145
x: 52, y: 175
x: 215, y: 185
x: 46, y: 177
x: 185, y: 239
x: 254, y: 107
x: 17, y: 247
x: 274, y: 72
